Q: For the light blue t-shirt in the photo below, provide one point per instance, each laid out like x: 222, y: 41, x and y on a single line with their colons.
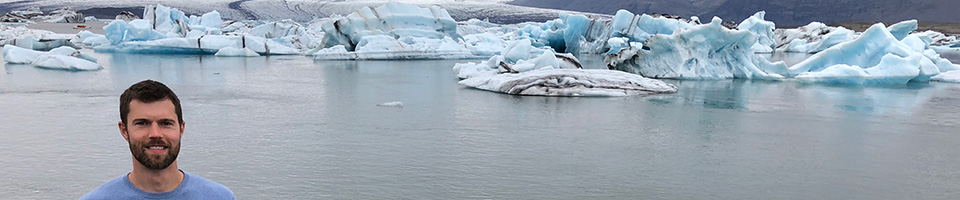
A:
x: 192, y: 187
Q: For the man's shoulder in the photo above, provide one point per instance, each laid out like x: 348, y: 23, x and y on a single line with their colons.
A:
x: 208, y: 188
x: 114, y: 188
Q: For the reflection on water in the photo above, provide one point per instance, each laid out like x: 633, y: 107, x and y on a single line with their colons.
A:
x: 288, y: 127
x: 788, y: 58
x: 759, y: 95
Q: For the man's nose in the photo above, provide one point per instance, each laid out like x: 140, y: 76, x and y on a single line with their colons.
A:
x: 154, y: 131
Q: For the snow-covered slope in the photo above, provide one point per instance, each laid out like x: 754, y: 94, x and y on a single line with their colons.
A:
x: 300, y: 10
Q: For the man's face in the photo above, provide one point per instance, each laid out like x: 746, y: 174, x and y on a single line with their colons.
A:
x: 153, y: 132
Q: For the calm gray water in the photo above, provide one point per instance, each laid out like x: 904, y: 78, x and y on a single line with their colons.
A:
x: 288, y: 127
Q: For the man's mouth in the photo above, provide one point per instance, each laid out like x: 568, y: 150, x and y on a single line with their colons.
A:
x: 156, y: 148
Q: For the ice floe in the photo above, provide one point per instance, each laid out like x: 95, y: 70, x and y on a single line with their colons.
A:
x: 522, y: 69
x: 63, y: 58
x: 569, y: 82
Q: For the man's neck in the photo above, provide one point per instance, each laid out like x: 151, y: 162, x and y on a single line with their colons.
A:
x: 156, y: 181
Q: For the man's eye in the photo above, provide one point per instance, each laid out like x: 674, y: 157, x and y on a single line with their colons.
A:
x: 139, y: 123
x: 167, y: 123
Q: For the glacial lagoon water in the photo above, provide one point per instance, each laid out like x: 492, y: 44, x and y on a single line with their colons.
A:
x: 288, y: 127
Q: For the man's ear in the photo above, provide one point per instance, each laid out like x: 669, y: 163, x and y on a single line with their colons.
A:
x: 123, y: 131
x: 182, y: 125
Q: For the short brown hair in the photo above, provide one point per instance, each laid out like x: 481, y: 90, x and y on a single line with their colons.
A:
x: 148, y: 91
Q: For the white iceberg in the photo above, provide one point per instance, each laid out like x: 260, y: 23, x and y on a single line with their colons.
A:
x: 569, y: 82
x: 41, y: 40
x: 90, y: 39
x: 64, y: 58
x: 522, y: 69
x: 518, y: 57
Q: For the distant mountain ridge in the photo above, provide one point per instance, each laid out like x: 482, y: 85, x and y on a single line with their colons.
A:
x: 782, y: 12
x: 495, y: 11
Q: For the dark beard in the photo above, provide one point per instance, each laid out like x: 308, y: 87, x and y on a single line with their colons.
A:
x: 154, y: 162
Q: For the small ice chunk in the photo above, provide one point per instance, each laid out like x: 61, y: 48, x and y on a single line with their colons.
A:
x: 391, y: 104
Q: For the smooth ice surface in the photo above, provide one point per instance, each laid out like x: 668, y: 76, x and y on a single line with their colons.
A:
x: 951, y: 76
x: 569, y: 82
x: 233, y: 51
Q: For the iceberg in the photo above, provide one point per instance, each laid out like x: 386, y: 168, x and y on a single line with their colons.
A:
x: 169, y: 31
x: 811, y: 38
x: 570, y: 82
x: 286, y: 32
x: 64, y: 58
x: 579, y: 34
x: 523, y: 69
x: 33, y: 15
x: 126, y: 16
x: 392, y: 19
x: 518, y: 57
x: 41, y: 40
x: 90, y: 39
x: 398, y: 31
x: 900, y: 30
x: 876, y: 57
x: 207, y: 44
x: 706, y: 51
x: 763, y: 30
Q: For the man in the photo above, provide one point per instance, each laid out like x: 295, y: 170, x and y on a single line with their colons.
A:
x: 152, y: 123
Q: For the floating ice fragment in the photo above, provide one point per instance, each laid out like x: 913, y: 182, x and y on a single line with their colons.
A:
x: 391, y: 104
x: 569, y: 82
x: 64, y: 58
